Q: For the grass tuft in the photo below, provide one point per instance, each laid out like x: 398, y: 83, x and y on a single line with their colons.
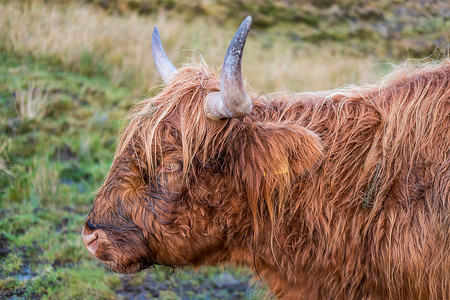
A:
x: 45, y: 181
x: 3, y: 167
x: 31, y: 104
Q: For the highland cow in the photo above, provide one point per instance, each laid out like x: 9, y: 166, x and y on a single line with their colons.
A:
x: 333, y: 195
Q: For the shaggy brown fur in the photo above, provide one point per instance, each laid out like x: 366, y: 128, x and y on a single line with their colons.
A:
x: 339, y: 195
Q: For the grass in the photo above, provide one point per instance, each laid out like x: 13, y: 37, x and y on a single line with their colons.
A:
x: 51, y: 170
x: 119, y: 48
x: 4, y: 142
x: 68, y: 75
x: 394, y: 28
x: 31, y: 103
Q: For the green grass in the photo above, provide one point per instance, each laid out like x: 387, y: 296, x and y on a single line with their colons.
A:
x: 53, y: 167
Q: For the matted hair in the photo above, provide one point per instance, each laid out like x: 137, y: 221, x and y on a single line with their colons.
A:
x: 347, y: 183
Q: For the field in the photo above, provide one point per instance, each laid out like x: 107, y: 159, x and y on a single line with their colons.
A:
x: 69, y: 74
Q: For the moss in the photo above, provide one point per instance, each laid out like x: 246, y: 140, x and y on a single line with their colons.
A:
x: 11, y: 287
x: 80, y: 282
x: 12, y: 263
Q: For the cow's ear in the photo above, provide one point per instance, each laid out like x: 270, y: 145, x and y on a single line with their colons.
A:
x: 277, y: 148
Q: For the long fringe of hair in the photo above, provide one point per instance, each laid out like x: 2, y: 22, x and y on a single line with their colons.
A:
x: 375, y: 126
x: 337, y: 168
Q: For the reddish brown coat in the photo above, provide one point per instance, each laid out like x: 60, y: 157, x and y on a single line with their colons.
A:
x: 339, y: 195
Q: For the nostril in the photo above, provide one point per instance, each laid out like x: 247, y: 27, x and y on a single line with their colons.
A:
x: 93, y: 245
x: 94, y: 238
x: 90, y: 241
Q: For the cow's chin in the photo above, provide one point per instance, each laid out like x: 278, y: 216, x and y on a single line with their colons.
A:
x: 123, y: 261
x: 126, y: 269
x: 123, y: 265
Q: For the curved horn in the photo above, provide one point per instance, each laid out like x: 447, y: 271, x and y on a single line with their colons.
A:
x: 163, y: 65
x: 232, y: 100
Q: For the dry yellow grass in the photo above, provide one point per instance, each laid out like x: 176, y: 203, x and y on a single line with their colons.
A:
x: 3, y: 165
x: 31, y: 103
x: 72, y: 32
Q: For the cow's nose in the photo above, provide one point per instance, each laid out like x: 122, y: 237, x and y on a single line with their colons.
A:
x: 90, y: 240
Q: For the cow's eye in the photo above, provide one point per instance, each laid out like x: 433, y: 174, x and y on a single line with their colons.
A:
x: 171, y: 167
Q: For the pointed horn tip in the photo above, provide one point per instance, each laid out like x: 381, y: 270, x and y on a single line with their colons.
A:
x: 155, y: 31
x: 164, y: 66
x: 233, y: 101
x: 245, y: 26
x: 247, y: 22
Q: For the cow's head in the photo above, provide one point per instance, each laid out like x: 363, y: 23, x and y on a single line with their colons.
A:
x: 191, y: 168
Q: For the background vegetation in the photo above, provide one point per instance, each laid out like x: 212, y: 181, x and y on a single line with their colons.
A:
x: 69, y: 72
